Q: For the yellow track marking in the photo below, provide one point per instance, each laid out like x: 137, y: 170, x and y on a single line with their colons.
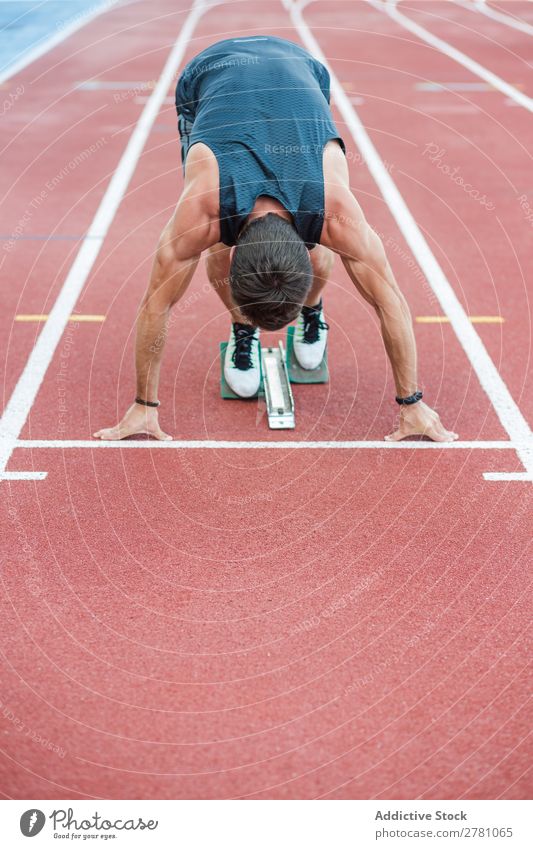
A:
x: 475, y: 319
x: 72, y: 317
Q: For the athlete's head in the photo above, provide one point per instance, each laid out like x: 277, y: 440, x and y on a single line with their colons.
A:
x: 271, y: 274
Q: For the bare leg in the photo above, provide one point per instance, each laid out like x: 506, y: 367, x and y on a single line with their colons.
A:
x: 241, y: 362
x: 322, y: 260
x: 217, y: 263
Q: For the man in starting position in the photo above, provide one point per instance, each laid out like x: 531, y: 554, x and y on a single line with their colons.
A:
x: 266, y: 195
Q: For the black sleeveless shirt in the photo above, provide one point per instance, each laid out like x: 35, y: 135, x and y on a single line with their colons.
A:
x: 261, y: 104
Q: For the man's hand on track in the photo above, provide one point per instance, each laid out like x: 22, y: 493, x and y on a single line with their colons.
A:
x: 138, y: 419
x: 421, y: 420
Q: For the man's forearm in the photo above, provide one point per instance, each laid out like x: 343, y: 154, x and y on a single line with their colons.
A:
x: 399, y: 341
x: 376, y: 282
x: 150, y: 341
x: 169, y: 280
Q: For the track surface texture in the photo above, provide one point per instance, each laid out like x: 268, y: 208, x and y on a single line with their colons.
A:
x: 208, y: 621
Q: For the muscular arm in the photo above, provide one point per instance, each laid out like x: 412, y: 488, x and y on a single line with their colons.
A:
x: 365, y: 260
x: 374, y: 279
x: 174, y: 265
x: 173, y: 268
x: 192, y: 229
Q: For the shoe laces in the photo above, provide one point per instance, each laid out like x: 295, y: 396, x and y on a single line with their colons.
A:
x: 313, y: 324
x: 244, y: 338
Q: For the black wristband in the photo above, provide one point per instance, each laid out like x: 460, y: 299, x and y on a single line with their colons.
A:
x: 411, y: 399
x: 147, y: 403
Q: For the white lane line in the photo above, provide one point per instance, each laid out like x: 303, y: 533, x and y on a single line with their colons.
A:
x: 501, y: 17
x: 150, y: 444
x: 285, y: 445
x: 23, y: 476
x: 20, y: 403
x: 507, y: 476
x: 52, y: 41
x: 504, y: 405
x: 471, y: 65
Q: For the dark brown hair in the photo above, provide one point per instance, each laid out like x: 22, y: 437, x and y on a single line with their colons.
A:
x: 271, y: 273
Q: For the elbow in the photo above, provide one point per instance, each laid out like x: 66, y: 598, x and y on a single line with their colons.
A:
x: 174, y: 257
x: 166, y: 261
x: 367, y: 253
x: 157, y: 298
x: 161, y: 294
x: 372, y: 270
x: 375, y: 253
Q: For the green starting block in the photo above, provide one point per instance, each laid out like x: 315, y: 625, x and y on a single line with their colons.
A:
x: 279, y: 368
x: 297, y: 374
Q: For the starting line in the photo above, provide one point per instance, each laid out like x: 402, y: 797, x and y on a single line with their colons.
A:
x: 489, y: 445
x: 278, y: 444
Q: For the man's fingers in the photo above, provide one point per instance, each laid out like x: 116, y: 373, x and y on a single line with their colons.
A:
x: 110, y: 433
x: 435, y: 432
x: 442, y: 435
x: 119, y: 433
x: 396, y: 436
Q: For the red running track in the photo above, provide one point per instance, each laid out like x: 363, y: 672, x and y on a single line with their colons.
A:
x: 267, y: 623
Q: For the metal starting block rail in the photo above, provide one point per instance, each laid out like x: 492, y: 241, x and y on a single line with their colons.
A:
x: 277, y: 388
x: 279, y: 368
